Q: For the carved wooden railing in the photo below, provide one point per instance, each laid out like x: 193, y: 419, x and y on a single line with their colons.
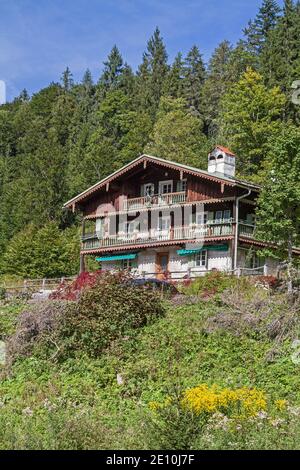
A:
x: 151, y: 236
x: 155, y: 200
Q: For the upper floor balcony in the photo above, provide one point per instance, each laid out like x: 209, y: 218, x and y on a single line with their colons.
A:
x: 192, y: 232
x: 155, y: 200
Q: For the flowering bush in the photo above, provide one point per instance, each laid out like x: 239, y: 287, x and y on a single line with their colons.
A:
x: 242, y: 402
x: 72, y: 291
x: 108, y: 307
x: 200, y: 416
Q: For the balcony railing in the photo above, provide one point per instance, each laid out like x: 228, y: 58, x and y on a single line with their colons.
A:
x: 155, y: 200
x: 246, y: 230
x: 91, y: 242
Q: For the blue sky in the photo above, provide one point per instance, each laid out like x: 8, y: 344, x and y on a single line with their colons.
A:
x: 39, y: 38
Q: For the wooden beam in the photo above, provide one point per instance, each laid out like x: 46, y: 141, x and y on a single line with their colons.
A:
x: 181, y: 175
x: 222, y: 188
x: 107, y: 187
x: 145, y: 164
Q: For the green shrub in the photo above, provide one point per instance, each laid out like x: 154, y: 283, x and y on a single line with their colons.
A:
x: 2, y: 293
x: 215, y: 282
x: 105, y: 311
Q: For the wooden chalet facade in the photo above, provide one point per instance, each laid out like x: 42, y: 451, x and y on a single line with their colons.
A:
x: 166, y: 219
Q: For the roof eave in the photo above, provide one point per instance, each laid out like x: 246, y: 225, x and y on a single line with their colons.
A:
x: 231, y: 182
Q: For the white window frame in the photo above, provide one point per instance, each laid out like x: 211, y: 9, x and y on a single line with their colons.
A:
x: 203, y: 216
x: 200, y: 259
x: 144, y: 186
x: 131, y: 227
x: 228, y: 211
x: 162, y: 184
x: 194, y: 218
x: 163, y: 218
x: 180, y: 184
x: 218, y: 218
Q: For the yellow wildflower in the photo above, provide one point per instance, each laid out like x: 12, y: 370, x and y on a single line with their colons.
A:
x: 281, y: 404
x: 242, y: 402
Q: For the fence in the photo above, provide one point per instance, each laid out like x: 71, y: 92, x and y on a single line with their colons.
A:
x: 190, y: 274
x: 37, y: 284
x: 54, y: 283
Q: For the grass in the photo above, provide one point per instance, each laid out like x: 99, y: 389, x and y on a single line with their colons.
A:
x: 78, y: 404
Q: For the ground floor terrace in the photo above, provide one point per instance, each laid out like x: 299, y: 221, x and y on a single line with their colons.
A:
x: 184, y: 261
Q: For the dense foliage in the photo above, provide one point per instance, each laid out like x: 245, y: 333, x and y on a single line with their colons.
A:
x: 106, y: 309
x: 69, y: 135
x: 216, y: 374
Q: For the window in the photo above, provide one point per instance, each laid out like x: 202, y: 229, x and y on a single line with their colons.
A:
x: 131, y: 227
x: 181, y: 186
x: 219, y: 215
x: 200, y: 259
x: 227, y: 214
x: 148, y: 189
x: 165, y: 187
x: 164, y: 223
x: 201, y: 218
x: 127, y: 264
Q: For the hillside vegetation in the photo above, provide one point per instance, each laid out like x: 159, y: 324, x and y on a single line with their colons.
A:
x: 205, y: 372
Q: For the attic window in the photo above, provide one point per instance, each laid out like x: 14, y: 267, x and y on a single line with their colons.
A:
x: 220, y: 156
x: 212, y: 157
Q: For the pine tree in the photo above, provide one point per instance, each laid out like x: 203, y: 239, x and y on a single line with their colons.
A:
x: 112, y: 71
x: 152, y: 74
x: 258, y: 30
x: 67, y: 79
x: 217, y: 83
x: 87, y: 80
x: 281, y: 56
x: 173, y: 85
x: 194, y: 77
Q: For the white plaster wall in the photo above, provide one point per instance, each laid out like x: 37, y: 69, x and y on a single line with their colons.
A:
x: 178, y: 264
x: 146, y: 261
x: 220, y: 260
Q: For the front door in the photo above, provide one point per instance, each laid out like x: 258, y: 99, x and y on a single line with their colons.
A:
x: 162, y: 264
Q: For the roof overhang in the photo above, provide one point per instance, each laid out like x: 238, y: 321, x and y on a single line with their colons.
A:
x: 144, y: 159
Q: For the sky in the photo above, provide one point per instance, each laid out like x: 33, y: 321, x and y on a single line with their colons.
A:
x: 40, y: 38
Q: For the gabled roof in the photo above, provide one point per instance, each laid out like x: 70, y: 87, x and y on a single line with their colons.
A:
x: 217, y: 177
x: 226, y: 150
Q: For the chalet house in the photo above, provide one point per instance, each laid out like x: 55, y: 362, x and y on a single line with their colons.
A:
x: 167, y: 219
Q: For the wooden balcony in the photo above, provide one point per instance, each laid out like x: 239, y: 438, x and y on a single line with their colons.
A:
x: 192, y: 232
x: 156, y: 200
x: 246, y: 230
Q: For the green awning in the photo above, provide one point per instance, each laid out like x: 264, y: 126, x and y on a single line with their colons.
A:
x: 204, y: 248
x: 117, y: 257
